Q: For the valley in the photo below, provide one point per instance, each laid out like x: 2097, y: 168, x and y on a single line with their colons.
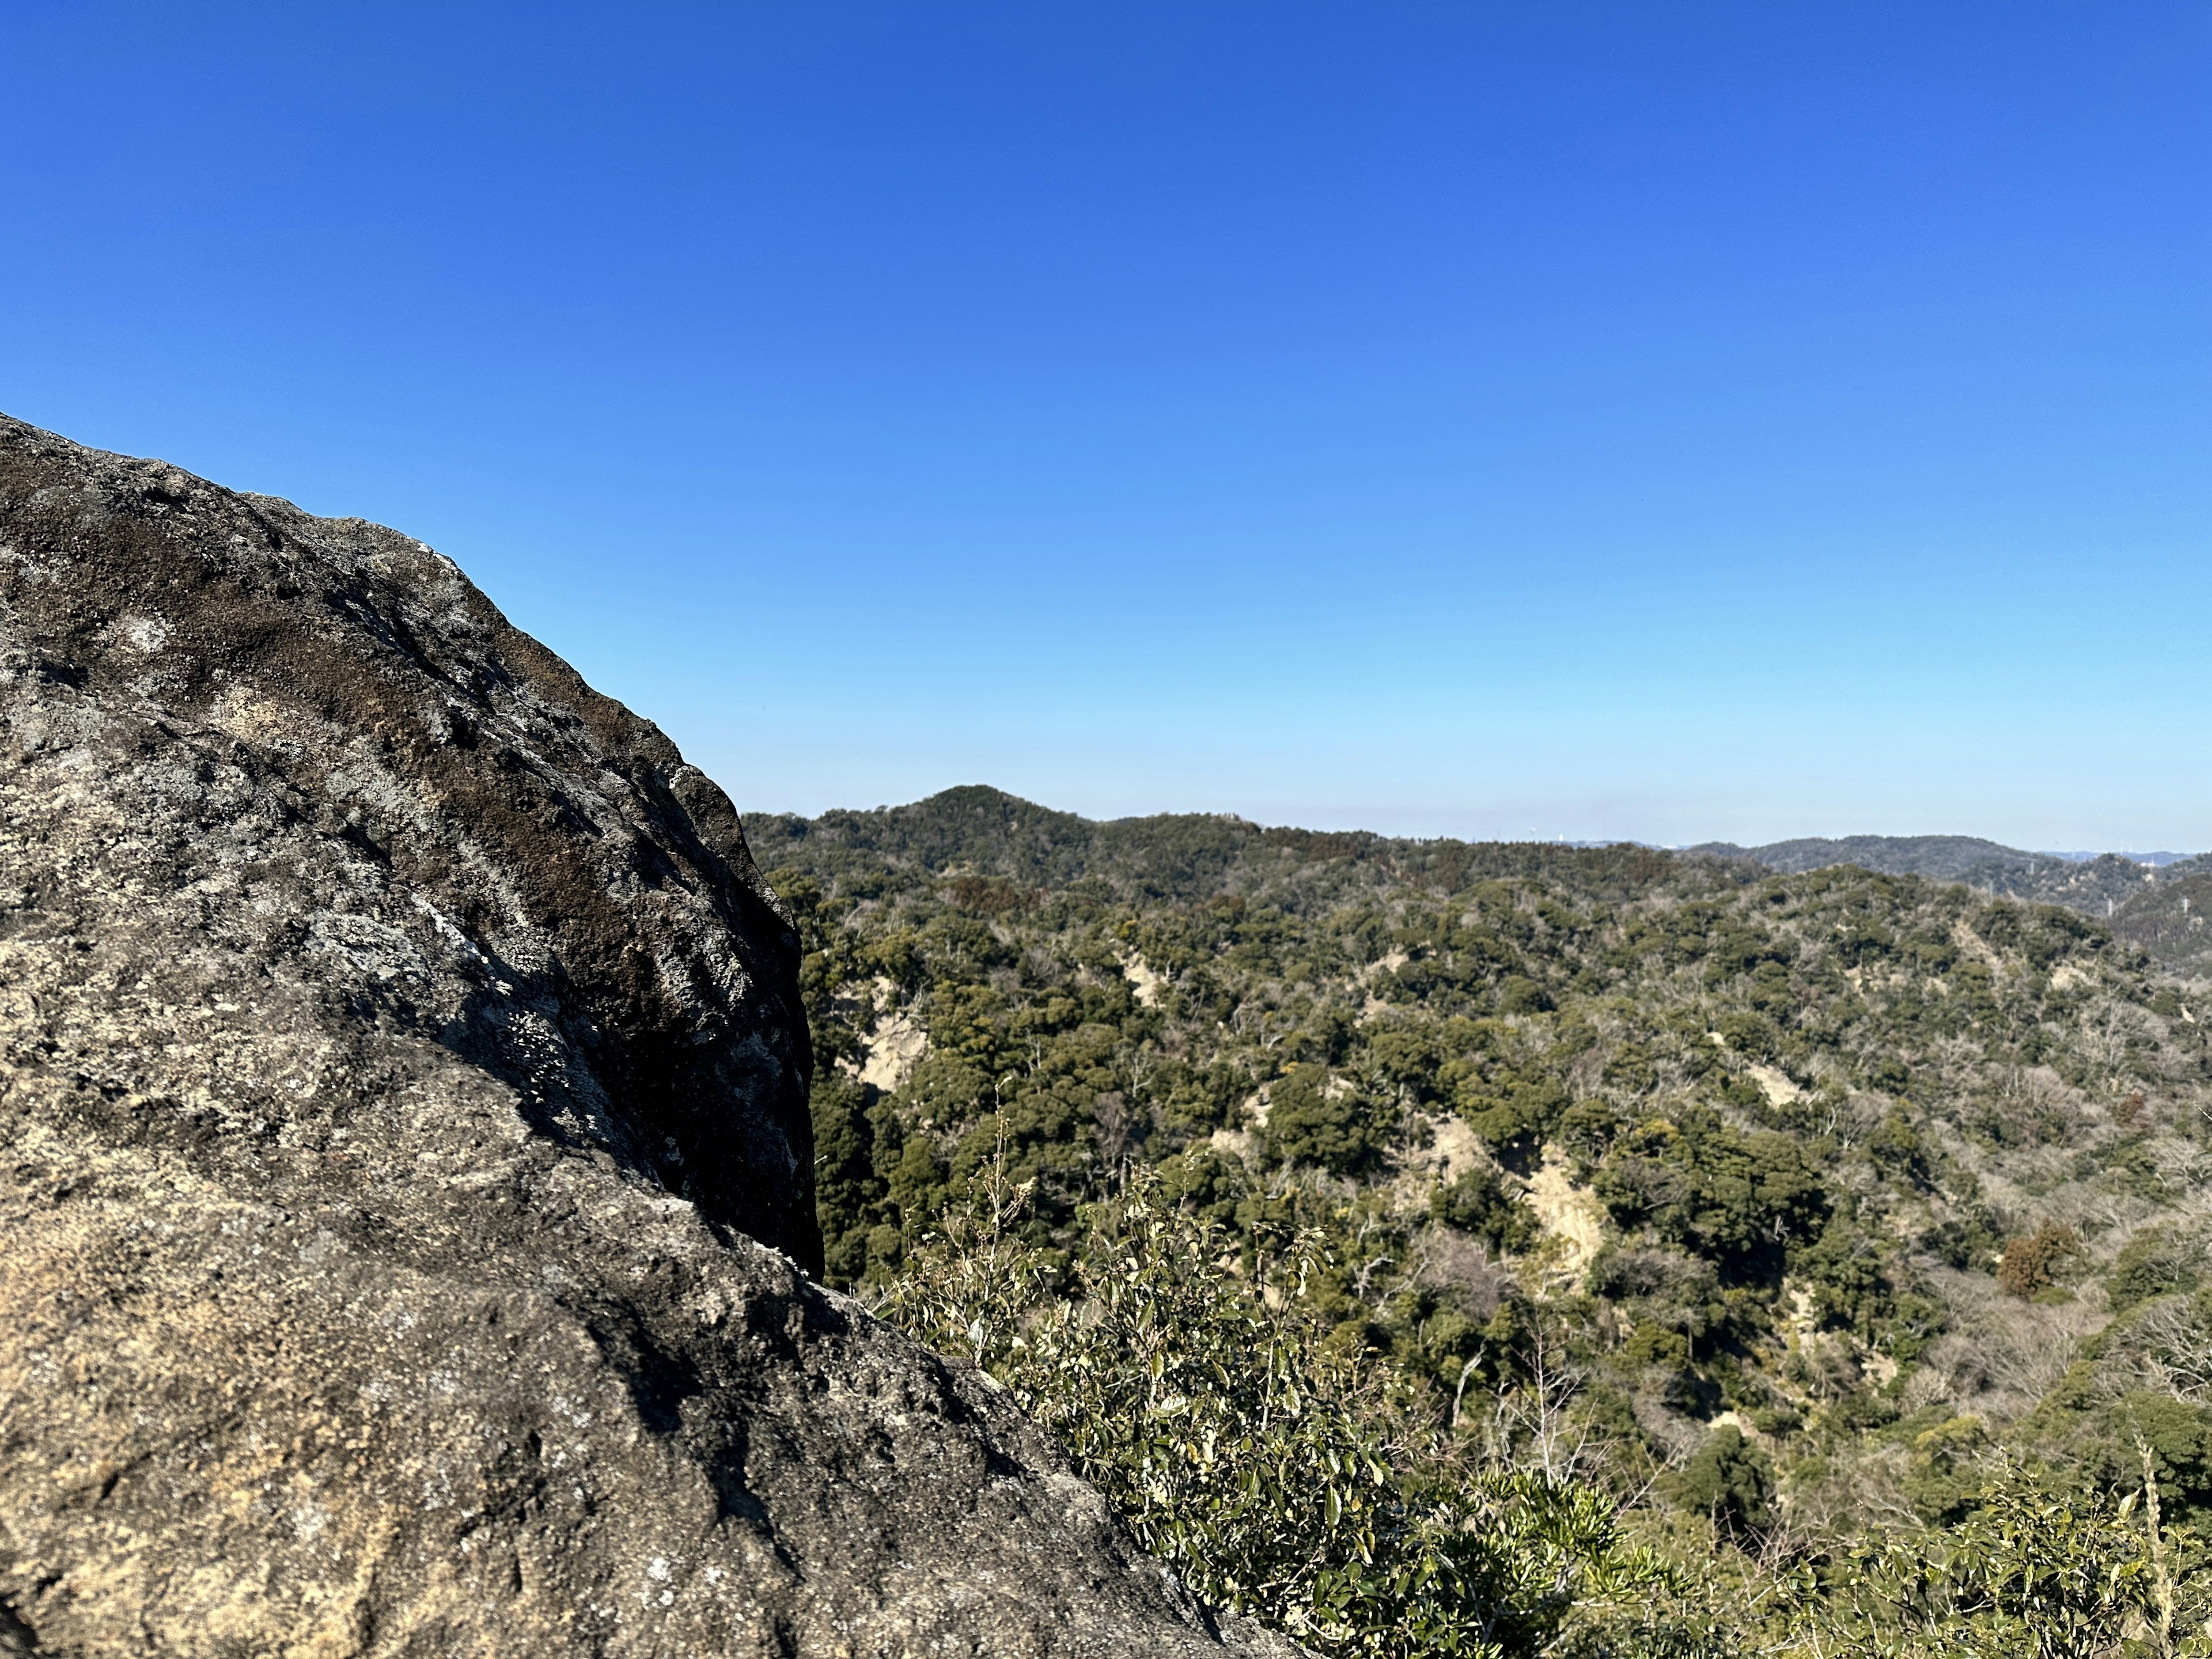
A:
x: 1807, y: 1202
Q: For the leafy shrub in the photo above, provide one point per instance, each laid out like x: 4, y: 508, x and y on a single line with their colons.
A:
x: 2031, y: 1263
x: 1587, y: 1130
x: 1280, y: 1477
x: 2174, y: 1438
x: 2151, y: 1263
x: 1661, y: 1287
x: 1307, y: 1124
x: 1941, y: 1481
x: 1729, y: 1481
x: 1843, y: 1270
x: 1202, y: 1182
x: 1897, y: 1151
x: 2039, y: 1570
x: 1964, y: 1243
x: 1478, y: 1203
x: 1738, y: 1200
x: 849, y: 1190
x: 1519, y: 995
x: 1514, y: 1115
x: 1299, y: 1483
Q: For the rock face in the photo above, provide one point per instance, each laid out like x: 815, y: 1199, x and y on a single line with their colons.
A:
x: 404, y: 1171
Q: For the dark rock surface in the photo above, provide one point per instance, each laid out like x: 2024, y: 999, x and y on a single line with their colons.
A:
x: 401, y: 1059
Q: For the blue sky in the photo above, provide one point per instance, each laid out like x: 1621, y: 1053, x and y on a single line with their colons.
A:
x: 1671, y: 420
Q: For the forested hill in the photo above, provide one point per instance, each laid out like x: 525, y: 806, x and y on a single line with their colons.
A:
x: 982, y: 833
x: 977, y: 834
x: 2154, y: 903
x: 1748, y: 1148
x: 1941, y: 858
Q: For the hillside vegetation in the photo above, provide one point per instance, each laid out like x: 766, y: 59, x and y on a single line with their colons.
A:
x: 1791, y: 1212
x: 2156, y: 906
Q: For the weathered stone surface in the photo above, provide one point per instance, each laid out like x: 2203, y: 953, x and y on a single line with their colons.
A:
x: 401, y: 1060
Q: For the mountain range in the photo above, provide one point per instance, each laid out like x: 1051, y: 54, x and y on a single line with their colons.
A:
x: 2157, y: 907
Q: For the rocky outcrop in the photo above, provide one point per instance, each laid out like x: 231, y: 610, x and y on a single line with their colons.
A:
x: 404, y: 1168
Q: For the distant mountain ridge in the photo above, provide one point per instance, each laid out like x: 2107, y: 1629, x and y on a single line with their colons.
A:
x: 2114, y: 887
x: 981, y: 833
x: 1940, y: 858
x: 2157, y: 861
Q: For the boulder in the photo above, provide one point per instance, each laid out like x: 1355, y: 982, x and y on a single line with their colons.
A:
x: 405, y: 1162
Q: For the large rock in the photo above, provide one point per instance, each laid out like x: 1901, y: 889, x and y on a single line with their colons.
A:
x: 404, y: 1172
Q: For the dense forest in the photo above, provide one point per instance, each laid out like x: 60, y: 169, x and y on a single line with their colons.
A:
x: 2159, y: 907
x: 1807, y: 1223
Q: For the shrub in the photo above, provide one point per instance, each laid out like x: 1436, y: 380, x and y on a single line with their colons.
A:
x: 1738, y: 1200
x: 2039, y: 1570
x: 2032, y: 1264
x: 1519, y: 995
x: 1729, y: 1481
x: 1307, y: 1125
x: 1897, y: 1151
x: 1281, y: 1476
x: 1478, y: 1203
x: 2153, y: 1263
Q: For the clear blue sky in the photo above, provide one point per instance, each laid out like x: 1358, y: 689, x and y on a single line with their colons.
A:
x: 1666, y: 420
